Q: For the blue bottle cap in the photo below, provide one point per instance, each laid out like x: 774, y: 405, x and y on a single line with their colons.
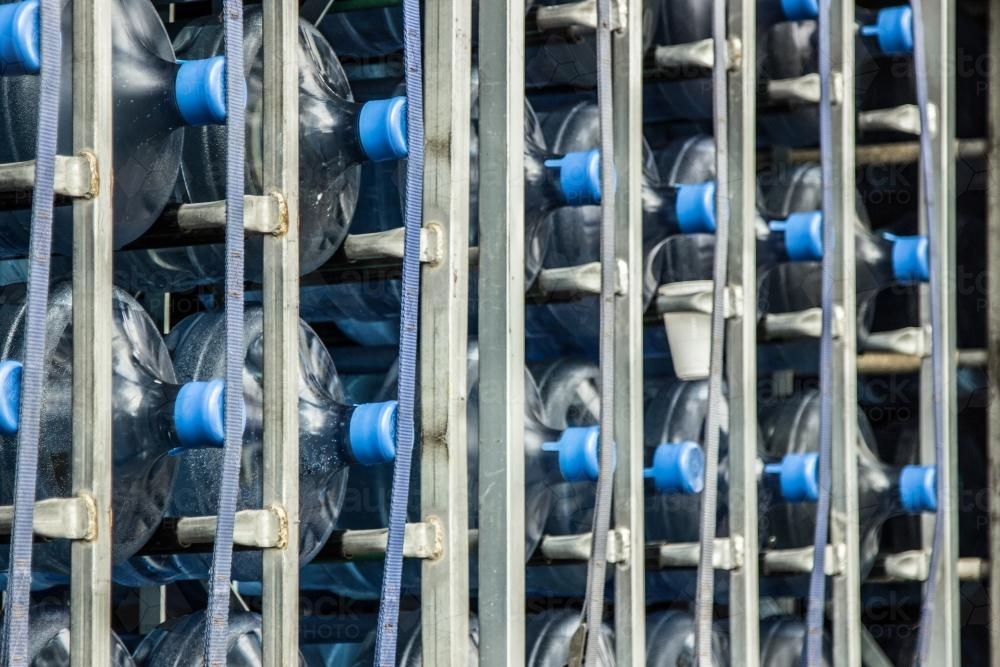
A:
x: 10, y: 396
x: 373, y: 433
x: 798, y: 475
x: 200, y: 415
x: 800, y: 10
x: 918, y: 489
x: 382, y: 129
x: 893, y: 30
x: 803, y: 235
x: 200, y: 91
x: 910, y: 258
x: 696, y: 208
x: 20, y: 51
x: 579, y: 453
x: 579, y: 177
x: 678, y: 467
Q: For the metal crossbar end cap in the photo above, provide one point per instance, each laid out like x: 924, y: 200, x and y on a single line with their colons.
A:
x: 695, y: 207
x: 200, y: 91
x: 10, y: 396
x: 382, y: 129
x: 578, y: 450
x: 678, y: 468
x: 918, y: 489
x: 20, y: 50
x: 373, y: 433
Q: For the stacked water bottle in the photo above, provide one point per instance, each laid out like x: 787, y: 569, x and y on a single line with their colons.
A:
x: 169, y: 105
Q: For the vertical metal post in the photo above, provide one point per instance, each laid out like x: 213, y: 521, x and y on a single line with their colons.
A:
x: 501, y: 333
x: 281, y: 331
x: 444, y: 331
x: 90, y: 582
x: 741, y: 335
x: 939, y: 16
x: 629, y: 503
x: 844, y: 533
x: 993, y: 322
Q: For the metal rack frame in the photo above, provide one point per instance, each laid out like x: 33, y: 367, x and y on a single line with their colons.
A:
x: 844, y: 517
x: 445, y: 594
x: 444, y: 331
x: 741, y: 331
x: 90, y: 580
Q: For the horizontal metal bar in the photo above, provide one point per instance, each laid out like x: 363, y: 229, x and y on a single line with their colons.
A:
x: 389, y: 244
x: 802, y: 324
x: 904, y: 118
x: 263, y: 214
x: 582, y: 279
x: 800, y: 561
x: 261, y: 529
x: 697, y: 302
x: 420, y: 540
x: 76, y: 176
x: 581, y: 14
x: 58, y: 518
x: 914, y: 566
x: 728, y: 554
x: 912, y: 341
x: 699, y: 54
x: 803, y: 89
x: 578, y: 547
x: 873, y: 363
x: 896, y: 152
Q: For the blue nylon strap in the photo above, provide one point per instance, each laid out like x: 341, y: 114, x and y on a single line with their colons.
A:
x: 217, y: 621
x: 15, y: 623
x: 813, y: 654
x: 388, y: 613
x: 705, y: 592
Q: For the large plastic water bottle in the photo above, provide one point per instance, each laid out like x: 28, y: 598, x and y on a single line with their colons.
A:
x: 549, y: 637
x: 363, y: 33
x: 670, y: 640
x: 368, y: 312
x: 153, y: 97
x: 783, y: 641
x: 883, y: 77
x: 332, y: 436
x: 49, y: 638
x: 335, y: 136
x: 688, y: 208
x: 547, y: 641
x: 152, y: 413
x: 568, y: 57
x: 685, y: 92
x: 899, y: 444
x: 369, y: 489
x: 180, y: 642
x: 409, y: 647
x: 883, y: 261
x: 675, y: 208
x: 570, y: 390
x: 792, y: 427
